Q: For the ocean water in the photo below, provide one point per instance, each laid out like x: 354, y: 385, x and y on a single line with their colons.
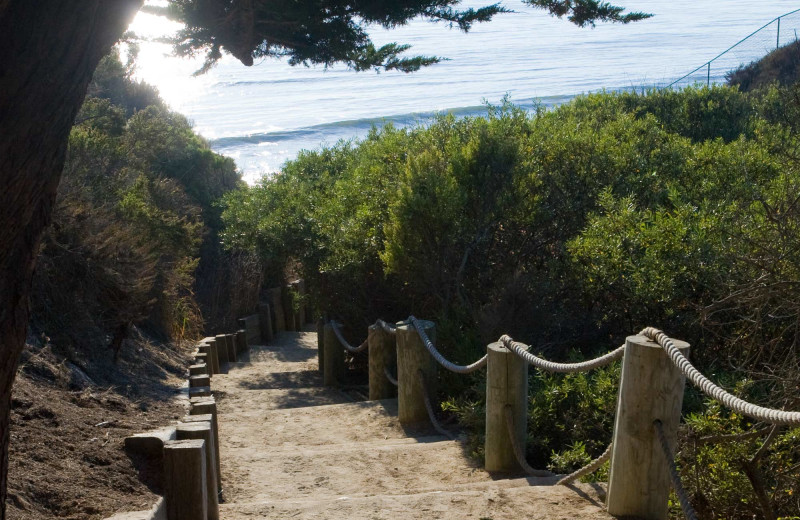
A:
x: 263, y: 115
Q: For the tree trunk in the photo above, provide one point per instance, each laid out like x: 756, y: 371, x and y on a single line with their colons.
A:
x: 48, y: 52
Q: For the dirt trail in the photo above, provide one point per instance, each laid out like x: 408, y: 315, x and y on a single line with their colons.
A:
x: 291, y: 448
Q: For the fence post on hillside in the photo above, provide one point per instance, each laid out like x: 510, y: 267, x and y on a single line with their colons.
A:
x: 382, y: 355
x: 333, y: 358
x: 185, y: 490
x: 506, y: 385
x: 321, y: 344
x: 412, y: 356
x: 651, y: 388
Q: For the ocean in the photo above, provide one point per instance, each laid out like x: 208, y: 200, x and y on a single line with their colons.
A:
x: 261, y: 116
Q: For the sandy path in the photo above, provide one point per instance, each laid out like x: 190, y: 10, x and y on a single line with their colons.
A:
x: 291, y: 448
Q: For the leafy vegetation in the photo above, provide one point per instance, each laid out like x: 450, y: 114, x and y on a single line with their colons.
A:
x: 135, y: 223
x: 570, y: 229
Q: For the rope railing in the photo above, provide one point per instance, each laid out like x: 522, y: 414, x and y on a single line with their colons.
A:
x: 429, y: 407
x: 683, y: 498
x: 452, y: 367
x: 350, y: 348
x: 521, y: 350
x: 521, y: 355
x: 387, y: 327
x: 518, y: 453
x: 587, y: 469
x: 761, y: 413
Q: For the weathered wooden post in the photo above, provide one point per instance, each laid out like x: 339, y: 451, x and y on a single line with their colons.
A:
x: 230, y: 342
x: 506, y: 386
x: 412, y: 356
x: 333, y: 358
x: 265, y: 322
x: 202, y: 431
x: 241, y: 341
x: 382, y: 355
x: 185, y: 488
x: 199, y: 391
x: 321, y: 344
x: 222, y: 349
x: 209, y: 346
x: 203, y: 408
x: 208, y: 419
x: 201, y: 358
x: 199, y: 369
x: 651, y: 388
x: 198, y: 381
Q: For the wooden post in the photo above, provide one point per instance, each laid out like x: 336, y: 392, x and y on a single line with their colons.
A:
x: 412, y: 356
x: 222, y: 349
x: 230, y: 342
x: 241, y: 341
x: 207, y: 406
x: 198, y: 381
x: 199, y: 391
x: 382, y: 355
x: 321, y: 344
x: 506, y: 385
x: 202, y: 431
x: 288, y: 310
x: 277, y: 310
x: 333, y: 372
x: 210, y: 348
x: 185, y: 488
x: 200, y: 369
x: 265, y: 322
x: 650, y: 388
x: 212, y: 420
x: 201, y: 358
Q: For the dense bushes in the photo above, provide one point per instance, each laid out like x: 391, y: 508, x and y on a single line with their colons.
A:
x: 568, y: 229
x: 134, y: 218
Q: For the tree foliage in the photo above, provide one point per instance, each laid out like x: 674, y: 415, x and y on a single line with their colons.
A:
x: 136, y: 203
x: 334, y: 31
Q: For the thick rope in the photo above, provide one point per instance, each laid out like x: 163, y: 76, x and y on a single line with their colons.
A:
x: 686, y: 506
x: 518, y: 454
x: 452, y: 367
x: 387, y: 327
x: 429, y: 407
x: 587, y: 469
x: 347, y: 346
x: 769, y: 415
x: 389, y: 376
x: 521, y: 350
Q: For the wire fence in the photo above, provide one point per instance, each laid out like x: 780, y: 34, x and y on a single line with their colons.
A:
x: 781, y: 31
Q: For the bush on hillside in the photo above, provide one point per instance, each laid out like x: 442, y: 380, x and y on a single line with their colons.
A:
x: 134, y: 217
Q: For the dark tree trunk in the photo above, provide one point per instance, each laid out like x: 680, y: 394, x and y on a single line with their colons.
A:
x: 48, y: 52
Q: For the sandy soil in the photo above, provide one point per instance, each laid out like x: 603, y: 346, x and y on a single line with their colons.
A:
x: 291, y: 448
x: 67, y: 429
